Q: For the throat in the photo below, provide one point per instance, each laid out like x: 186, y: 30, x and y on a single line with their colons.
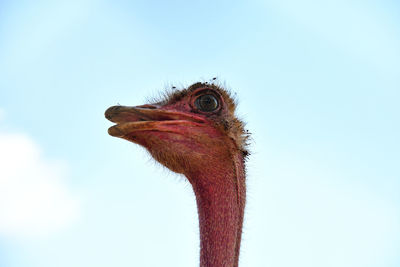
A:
x: 220, y: 194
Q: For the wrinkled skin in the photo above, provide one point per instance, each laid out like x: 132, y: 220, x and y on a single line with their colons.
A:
x: 178, y: 135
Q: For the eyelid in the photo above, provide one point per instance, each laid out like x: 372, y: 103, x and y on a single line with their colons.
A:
x: 205, y: 92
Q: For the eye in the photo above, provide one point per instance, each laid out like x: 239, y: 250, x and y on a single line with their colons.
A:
x: 207, y: 103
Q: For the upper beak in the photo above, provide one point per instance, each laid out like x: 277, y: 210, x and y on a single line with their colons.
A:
x: 146, y: 118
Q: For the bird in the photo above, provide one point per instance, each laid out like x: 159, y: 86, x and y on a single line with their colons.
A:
x: 194, y: 131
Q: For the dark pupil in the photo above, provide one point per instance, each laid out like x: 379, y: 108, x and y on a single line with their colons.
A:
x: 207, y: 103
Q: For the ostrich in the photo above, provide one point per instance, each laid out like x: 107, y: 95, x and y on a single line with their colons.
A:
x: 195, y: 132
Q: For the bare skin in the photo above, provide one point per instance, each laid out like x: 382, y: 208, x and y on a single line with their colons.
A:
x: 195, y: 132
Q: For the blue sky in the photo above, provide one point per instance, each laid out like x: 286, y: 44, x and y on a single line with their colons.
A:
x: 318, y: 84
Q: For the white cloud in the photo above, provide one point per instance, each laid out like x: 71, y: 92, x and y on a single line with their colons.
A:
x: 34, y: 198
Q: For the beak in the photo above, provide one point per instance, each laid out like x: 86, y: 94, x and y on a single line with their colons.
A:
x: 147, y: 118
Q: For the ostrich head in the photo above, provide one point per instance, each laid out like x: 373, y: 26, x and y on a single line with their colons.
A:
x: 195, y: 132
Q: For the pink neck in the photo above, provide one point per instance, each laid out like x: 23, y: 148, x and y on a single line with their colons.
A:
x: 220, y: 193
